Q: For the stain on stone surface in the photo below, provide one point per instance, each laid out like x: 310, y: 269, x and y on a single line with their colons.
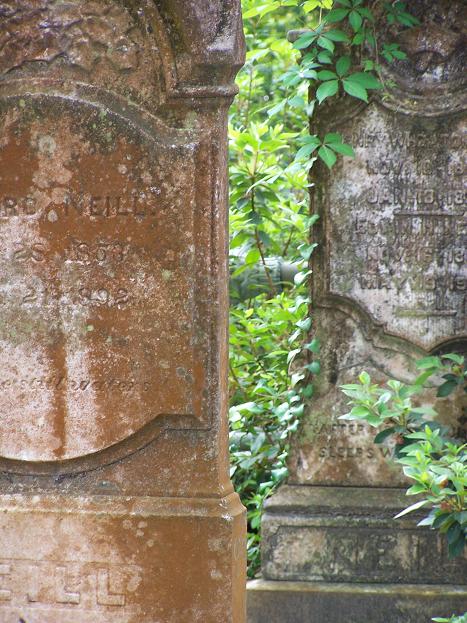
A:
x: 90, y: 232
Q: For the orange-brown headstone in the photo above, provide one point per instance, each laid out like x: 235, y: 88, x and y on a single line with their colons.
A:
x: 115, y: 500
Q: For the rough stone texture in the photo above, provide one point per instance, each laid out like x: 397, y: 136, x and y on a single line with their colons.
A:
x: 389, y: 286
x: 114, y: 492
x: 312, y: 602
x: 348, y: 534
x: 390, y: 270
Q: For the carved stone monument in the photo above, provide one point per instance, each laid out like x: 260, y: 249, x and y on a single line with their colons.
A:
x: 389, y: 286
x: 115, y: 501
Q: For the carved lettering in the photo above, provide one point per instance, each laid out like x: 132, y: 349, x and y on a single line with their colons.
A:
x: 108, y: 385
x: 356, y: 553
x: 86, y: 586
x: 105, y: 597
x: 5, y: 573
x: 33, y: 590
x: 139, y: 206
x: 64, y: 594
x: 402, y: 250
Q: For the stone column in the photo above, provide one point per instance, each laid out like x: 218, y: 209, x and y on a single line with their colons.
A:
x: 115, y: 500
x: 389, y: 286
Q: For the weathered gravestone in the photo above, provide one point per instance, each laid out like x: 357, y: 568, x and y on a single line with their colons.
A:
x: 389, y: 286
x: 115, y: 500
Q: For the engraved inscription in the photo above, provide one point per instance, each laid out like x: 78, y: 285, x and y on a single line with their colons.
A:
x: 64, y: 594
x: 104, y: 595
x: 399, y: 231
x: 317, y: 553
x: 77, y: 586
x: 353, y: 441
x: 140, y: 205
x: 98, y: 272
x: 5, y: 573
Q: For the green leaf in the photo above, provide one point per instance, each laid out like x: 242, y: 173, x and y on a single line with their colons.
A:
x: 422, y: 378
x: 428, y: 521
x: 355, y: 20
x: 313, y: 346
x: 305, y: 40
x: 325, y: 58
x: 332, y: 137
x: 355, y: 90
x: 310, y: 5
x: 364, y: 378
x: 416, y: 489
x: 326, y: 75
x: 327, y: 89
x: 366, y: 79
x: 305, y: 151
x: 343, y: 65
x: 454, y: 532
x: 446, y: 389
x: 366, y: 13
x: 428, y: 362
x: 336, y: 15
x: 327, y: 156
x: 358, y: 38
x: 453, y: 357
x: 336, y: 35
x: 456, y: 548
x: 344, y: 149
x: 360, y: 411
x: 440, y: 520
x: 314, y: 367
x: 384, y: 434
x: 304, y: 325
x: 308, y: 390
x: 277, y: 108
x: 253, y: 256
x: 327, y: 44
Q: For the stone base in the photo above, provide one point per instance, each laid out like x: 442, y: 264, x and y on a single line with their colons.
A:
x: 315, y: 602
x: 349, y: 534
x: 121, y: 560
x: 336, y: 555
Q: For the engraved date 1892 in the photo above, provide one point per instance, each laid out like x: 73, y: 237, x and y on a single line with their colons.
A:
x: 91, y: 296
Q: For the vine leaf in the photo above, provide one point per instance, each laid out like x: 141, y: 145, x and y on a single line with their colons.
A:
x: 355, y: 89
x: 327, y: 156
x: 327, y: 89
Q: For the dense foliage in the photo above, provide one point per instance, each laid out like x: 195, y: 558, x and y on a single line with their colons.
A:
x: 269, y: 217
x: 271, y: 156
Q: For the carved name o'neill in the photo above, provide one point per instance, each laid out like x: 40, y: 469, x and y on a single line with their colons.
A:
x: 95, y: 230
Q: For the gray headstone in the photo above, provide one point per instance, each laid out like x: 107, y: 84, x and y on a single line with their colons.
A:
x: 389, y: 286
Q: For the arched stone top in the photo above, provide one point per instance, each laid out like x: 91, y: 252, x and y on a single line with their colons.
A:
x: 146, y: 51
x: 431, y: 80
